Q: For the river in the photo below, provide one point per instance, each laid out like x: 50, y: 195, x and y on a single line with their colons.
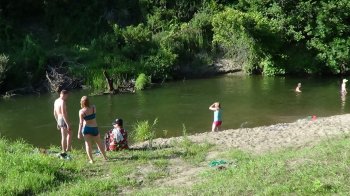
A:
x: 247, y: 101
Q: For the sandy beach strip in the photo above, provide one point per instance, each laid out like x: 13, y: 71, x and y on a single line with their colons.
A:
x: 269, y: 138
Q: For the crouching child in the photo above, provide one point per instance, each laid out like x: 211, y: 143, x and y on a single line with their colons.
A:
x: 116, y: 138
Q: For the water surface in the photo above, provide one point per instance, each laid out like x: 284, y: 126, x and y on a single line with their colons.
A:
x: 247, y: 101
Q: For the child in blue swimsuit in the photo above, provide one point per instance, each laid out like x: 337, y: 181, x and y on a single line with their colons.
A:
x: 217, y: 116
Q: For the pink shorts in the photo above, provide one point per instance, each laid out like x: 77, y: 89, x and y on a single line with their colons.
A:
x: 217, y: 123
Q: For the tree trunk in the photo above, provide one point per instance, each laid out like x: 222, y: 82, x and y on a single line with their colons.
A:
x: 109, y: 82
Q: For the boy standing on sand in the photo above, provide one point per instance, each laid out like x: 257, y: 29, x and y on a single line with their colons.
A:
x: 217, y: 116
x: 61, y: 116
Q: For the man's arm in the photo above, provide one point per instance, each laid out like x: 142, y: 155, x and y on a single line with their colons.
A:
x: 54, y: 113
x: 65, y: 115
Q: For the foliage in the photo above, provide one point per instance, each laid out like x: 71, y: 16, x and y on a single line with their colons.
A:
x: 25, y: 171
x: 98, y: 82
x: 247, y: 38
x: 314, y: 33
x: 141, y: 82
x: 269, y: 69
x: 143, y: 131
x: 330, y: 37
x: 173, y: 39
x: 231, y: 37
x: 159, y: 64
x: 3, y: 66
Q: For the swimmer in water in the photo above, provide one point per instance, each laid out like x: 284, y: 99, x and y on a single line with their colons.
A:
x: 297, y: 89
x: 343, y: 86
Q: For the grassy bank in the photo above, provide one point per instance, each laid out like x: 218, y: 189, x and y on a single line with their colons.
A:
x: 320, y: 169
x: 25, y: 170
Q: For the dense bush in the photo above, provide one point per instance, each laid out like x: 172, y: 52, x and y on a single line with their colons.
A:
x: 313, y: 35
x: 144, y: 131
x: 141, y: 82
x: 169, y: 39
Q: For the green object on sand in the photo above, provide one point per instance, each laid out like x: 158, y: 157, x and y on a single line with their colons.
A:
x: 217, y: 163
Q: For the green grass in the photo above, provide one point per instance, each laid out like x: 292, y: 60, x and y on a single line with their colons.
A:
x: 320, y: 170
x: 143, y: 131
x: 323, y: 169
x: 24, y: 170
x: 192, y: 152
x: 142, y: 82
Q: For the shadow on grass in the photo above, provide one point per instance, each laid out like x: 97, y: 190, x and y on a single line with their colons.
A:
x: 136, y: 157
x: 154, y: 153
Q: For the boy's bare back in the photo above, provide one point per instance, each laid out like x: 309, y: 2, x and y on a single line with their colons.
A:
x: 58, y: 106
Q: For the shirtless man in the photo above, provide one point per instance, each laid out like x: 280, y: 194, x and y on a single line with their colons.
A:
x: 60, y: 113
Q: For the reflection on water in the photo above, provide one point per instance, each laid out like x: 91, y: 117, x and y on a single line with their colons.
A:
x: 247, y: 102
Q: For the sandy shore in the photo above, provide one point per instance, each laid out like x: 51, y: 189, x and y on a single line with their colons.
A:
x: 268, y: 138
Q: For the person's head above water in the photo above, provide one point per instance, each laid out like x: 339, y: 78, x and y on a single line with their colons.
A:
x: 84, y: 102
x: 297, y: 89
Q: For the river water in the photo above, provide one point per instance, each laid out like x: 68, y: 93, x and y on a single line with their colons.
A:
x: 247, y: 101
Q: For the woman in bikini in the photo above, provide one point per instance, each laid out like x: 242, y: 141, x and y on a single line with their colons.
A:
x: 88, y: 128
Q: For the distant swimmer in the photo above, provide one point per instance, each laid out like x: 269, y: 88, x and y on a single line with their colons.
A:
x: 343, y: 86
x: 297, y: 89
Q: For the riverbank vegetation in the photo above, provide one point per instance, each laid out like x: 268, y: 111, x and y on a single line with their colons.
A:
x: 317, y: 170
x: 169, y: 39
x: 182, y: 168
x: 25, y: 170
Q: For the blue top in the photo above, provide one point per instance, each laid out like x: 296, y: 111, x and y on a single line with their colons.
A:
x: 217, y: 115
x: 90, y: 116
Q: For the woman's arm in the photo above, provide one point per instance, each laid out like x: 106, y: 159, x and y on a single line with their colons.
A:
x: 80, y: 124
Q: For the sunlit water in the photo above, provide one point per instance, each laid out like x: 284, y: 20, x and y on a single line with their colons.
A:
x: 247, y: 101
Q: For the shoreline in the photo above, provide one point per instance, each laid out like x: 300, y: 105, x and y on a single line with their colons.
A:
x: 181, y: 167
x: 302, y: 132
